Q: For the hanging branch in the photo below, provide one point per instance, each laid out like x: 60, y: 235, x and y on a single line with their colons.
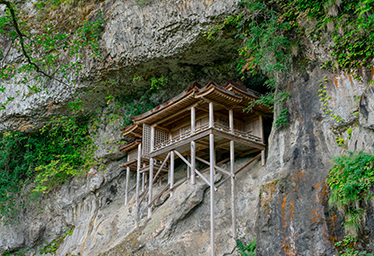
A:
x: 21, y: 38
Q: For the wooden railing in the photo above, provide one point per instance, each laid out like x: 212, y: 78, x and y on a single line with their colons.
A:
x: 217, y: 126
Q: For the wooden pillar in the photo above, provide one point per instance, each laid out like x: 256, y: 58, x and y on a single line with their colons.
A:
x: 193, y: 162
x: 152, y: 138
x: 143, y: 182
x: 151, y: 164
x: 137, y: 185
x: 127, y: 183
x: 188, y: 167
x: 193, y: 120
x: 211, y: 115
x: 212, y: 164
x: 262, y: 138
x: 171, y: 172
x: 231, y: 120
x: 193, y: 152
x: 232, y: 168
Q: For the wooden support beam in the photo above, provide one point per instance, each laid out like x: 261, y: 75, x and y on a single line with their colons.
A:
x: 143, y: 181
x: 127, y: 183
x: 152, y: 142
x: 171, y: 172
x: 178, y: 184
x: 136, y: 134
x: 219, y: 163
x: 193, y: 162
x: 251, y: 161
x: 212, y: 164
x: 151, y: 163
x: 159, y: 195
x: 231, y: 120
x: 193, y: 119
x: 184, y: 160
x: 137, y: 185
x: 216, y: 167
x: 162, y: 166
x: 188, y: 167
x: 232, y: 169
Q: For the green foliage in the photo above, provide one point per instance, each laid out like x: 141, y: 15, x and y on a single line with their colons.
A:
x: 346, y: 247
x: 61, y: 149
x: 350, y: 180
x: 55, y: 244
x: 265, y: 49
x: 55, y: 43
x: 142, y: 2
x: 156, y: 83
x: 248, y: 250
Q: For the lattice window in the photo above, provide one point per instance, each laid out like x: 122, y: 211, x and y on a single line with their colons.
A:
x: 146, y: 142
x: 160, y: 136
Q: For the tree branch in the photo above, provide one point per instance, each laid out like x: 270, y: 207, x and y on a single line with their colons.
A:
x: 21, y: 39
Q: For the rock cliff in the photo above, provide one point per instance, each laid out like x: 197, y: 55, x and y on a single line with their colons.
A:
x: 284, y: 204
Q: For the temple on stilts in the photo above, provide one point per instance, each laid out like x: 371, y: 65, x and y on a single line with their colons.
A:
x: 197, y: 125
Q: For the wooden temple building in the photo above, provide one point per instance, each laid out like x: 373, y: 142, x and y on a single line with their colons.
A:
x: 199, y: 124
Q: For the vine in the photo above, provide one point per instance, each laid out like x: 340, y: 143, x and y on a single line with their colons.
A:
x: 350, y: 181
x: 61, y: 149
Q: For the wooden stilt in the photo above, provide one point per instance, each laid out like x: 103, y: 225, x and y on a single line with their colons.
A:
x: 263, y: 157
x: 127, y: 183
x: 232, y: 167
x: 143, y: 182
x: 193, y: 162
x: 212, y: 164
x: 137, y: 184
x: 171, y: 172
x: 188, y: 167
x: 151, y: 163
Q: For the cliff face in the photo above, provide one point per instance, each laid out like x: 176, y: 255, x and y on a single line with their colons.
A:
x: 294, y: 217
x: 283, y: 205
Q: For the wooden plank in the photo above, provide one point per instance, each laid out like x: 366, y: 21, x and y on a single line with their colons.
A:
x: 251, y: 161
